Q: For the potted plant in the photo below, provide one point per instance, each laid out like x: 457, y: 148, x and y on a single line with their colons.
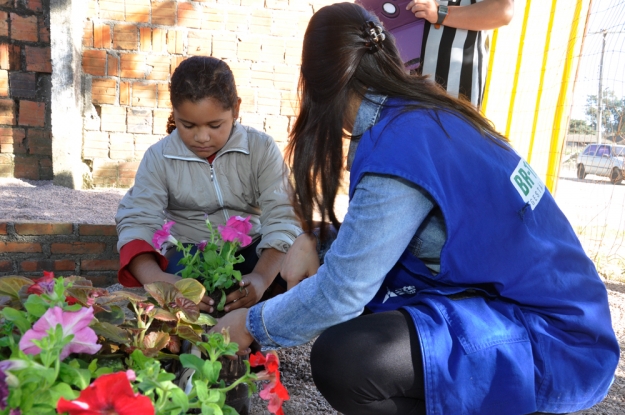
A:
x: 67, y: 347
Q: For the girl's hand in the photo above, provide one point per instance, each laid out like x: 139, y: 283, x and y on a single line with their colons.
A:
x: 301, y: 262
x: 252, y: 289
x: 235, y: 323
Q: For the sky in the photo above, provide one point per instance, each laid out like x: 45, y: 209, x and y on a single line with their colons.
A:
x: 605, y: 15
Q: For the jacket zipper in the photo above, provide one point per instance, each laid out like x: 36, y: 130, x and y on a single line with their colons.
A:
x: 218, y: 191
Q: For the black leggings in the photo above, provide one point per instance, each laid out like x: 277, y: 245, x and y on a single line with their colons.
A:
x: 371, y: 365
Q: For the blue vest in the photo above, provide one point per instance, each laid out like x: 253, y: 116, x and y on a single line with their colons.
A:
x: 517, y: 321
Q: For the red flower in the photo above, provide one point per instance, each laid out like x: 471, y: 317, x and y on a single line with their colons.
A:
x: 274, y: 391
x: 42, y: 285
x: 108, y: 395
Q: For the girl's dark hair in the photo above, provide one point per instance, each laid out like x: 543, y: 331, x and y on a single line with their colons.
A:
x: 200, y: 77
x: 338, y: 63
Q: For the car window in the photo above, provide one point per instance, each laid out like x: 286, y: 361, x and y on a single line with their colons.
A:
x: 619, y: 151
x: 603, y: 151
x: 590, y: 150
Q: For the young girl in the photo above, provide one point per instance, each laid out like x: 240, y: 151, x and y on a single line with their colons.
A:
x: 478, y: 296
x: 211, y: 165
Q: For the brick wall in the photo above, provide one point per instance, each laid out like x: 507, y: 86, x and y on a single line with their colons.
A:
x: 25, y: 142
x: 131, y: 48
x: 29, y: 248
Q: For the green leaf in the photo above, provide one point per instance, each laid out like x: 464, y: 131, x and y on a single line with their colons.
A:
x: 191, y: 289
x: 222, y: 302
x: 180, y: 399
x: 116, y: 316
x: 111, y: 332
x: 36, y: 306
x: 211, y: 370
x: 156, y: 340
x: 125, y: 295
x: 187, y: 333
x: 202, y: 320
x: 164, y: 315
x: 192, y: 361
x: 18, y: 318
x: 11, y: 285
x: 81, y: 378
x: 163, y: 292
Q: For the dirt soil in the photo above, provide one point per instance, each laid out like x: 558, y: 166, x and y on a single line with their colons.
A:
x: 22, y: 200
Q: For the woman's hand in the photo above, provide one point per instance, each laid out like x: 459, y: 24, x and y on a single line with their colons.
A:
x: 235, y: 323
x: 252, y: 287
x: 302, y: 260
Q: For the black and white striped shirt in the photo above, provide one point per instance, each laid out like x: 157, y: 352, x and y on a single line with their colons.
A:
x: 456, y: 58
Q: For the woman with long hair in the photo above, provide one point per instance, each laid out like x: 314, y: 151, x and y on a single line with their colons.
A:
x: 455, y: 284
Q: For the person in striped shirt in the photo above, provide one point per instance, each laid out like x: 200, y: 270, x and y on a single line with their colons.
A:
x: 456, y: 42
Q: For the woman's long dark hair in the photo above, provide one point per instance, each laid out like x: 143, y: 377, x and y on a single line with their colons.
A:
x: 337, y: 64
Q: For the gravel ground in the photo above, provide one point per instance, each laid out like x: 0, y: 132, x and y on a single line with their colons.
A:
x: 41, y: 201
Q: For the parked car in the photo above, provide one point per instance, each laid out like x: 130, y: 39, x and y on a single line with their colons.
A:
x: 603, y: 160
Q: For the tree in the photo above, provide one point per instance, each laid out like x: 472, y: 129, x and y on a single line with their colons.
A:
x: 580, y: 127
x: 612, y: 113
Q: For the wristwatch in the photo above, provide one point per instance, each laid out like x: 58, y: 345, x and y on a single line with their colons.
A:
x: 442, y: 14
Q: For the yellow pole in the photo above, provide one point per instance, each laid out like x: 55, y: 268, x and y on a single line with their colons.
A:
x: 557, y: 136
x: 491, y: 61
x: 517, y: 72
x: 541, y: 83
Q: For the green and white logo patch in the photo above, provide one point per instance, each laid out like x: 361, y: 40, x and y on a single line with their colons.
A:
x: 527, y: 183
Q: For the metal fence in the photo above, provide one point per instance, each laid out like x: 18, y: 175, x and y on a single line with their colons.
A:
x: 586, y: 190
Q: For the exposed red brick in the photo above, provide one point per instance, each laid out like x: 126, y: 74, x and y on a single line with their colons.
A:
x: 103, y: 90
x: 44, y: 30
x: 112, y: 10
x: 94, y: 62
x: 4, y: 83
x: 3, y: 228
x: 138, y: 11
x: 20, y: 247
x: 32, y: 228
x: 125, y: 36
x: 32, y: 113
x: 143, y: 94
x: 101, y: 36
x: 99, y: 264
x: 77, y: 248
x: 189, y: 15
x: 7, y: 111
x: 112, y: 65
x: 87, y: 35
x: 132, y: 66
x: 4, y: 24
x: 26, y: 168
x: 38, y: 59
x: 145, y: 39
x: 164, y: 13
x: 10, y: 57
x: 48, y: 265
x: 34, y: 5
x: 24, y: 28
x: 40, y: 143
x: 23, y: 84
x: 124, y: 93
x: 97, y: 230
x: 6, y: 266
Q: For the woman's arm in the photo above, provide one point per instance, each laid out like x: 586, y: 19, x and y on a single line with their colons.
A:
x: 484, y: 15
x: 384, y: 215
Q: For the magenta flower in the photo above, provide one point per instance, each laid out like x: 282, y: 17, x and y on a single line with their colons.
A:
x: 202, y: 245
x: 236, y: 229
x: 72, y: 322
x: 163, y: 235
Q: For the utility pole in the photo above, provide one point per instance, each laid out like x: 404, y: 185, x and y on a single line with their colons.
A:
x: 600, y: 94
x: 603, y: 32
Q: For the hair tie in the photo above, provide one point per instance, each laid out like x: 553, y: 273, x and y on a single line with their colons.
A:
x: 374, y: 34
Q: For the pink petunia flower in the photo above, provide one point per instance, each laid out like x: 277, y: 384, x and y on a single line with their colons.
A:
x: 72, y: 322
x: 108, y: 394
x: 163, y: 235
x: 236, y: 229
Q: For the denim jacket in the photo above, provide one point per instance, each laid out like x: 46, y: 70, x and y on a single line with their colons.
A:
x: 373, y: 236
